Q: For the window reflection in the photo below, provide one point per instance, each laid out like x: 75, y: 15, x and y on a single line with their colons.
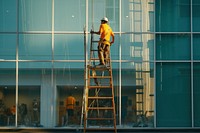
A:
x: 138, y: 95
x: 7, y: 105
x: 69, y: 109
x: 29, y: 106
x: 7, y: 94
x: 137, y: 16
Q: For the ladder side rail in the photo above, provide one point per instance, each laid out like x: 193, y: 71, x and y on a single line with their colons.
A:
x: 113, y: 94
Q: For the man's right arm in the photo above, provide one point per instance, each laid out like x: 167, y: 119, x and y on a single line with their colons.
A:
x: 97, y: 32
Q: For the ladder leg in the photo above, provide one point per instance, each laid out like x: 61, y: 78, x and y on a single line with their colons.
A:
x: 99, y: 100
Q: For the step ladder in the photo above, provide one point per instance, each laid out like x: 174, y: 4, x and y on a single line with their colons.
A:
x: 99, y: 104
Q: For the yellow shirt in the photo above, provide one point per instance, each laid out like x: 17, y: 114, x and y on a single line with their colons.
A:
x: 105, y: 32
x: 70, y: 102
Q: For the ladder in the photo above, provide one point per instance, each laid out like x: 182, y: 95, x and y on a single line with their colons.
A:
x: 99, y: 105
x: 136, y: 9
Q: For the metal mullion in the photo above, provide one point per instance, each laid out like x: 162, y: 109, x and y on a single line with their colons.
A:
x: 17, y: 65
x: 192, y: 65
x: 154, y: 65
x: 120, y: 64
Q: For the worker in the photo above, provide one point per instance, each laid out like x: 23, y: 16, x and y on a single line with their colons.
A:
x: 105, y: 32
x: 70, y: 103
x: 13, y: 110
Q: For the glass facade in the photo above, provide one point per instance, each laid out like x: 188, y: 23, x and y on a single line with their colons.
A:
x: 155, y: 61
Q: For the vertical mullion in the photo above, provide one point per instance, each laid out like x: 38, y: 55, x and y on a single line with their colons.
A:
x: 17, y: 59
x: 154, y: 63
x: 120, y: 63
x: 192, y: 65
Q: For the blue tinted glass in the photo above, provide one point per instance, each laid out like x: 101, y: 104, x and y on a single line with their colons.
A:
x: 68, y: 70
x: 100, y: 8
x: 196, y: 94
x: 68, y: 66
x: 196, y: 46
x: 35, y: 65
x: 196, y: 15
x: 173, y: 47
x: 34, y: 91
x: 35, y: 47
x: 114, y: 48
x: 173, y: 95
x: 8, y: 15
x: 35, y: 15
x: 69, y: 47
x: 137, y: 47
x: 69, y: 15
x: 137, y: 16
x: 7, y: 47
x: 136, y: 82
x: 172, y: 15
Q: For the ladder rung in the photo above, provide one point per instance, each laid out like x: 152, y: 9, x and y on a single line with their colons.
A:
x: 139, y: 87
x: 98, y: 58
x: 94, y: 58
x: 100, y: 77
x: 103, y: 87
x: 139, y: 92
x: 94, y: 50
x: 95, y: 41
x: 100, y: 108
x: 139, y: 110
x: 99, y: 97
x: 99, y: 67
x: 139, y: 102
x: 100, y: 118
x: 100, y: 128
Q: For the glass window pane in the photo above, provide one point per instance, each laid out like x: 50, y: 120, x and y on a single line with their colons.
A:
x: 35, y: 86
x: 173, y: 47
x: 8, y: 15
x: 69, y: 47
x: 69, y: 82
x: 138, y: 95
x: 7, y: 47
x: 7, y: 94
x: 172, y: 15
x: 196, y: 15
x: 137, y: 47
x: 137, y: 16
x: 173, y: 95
x: 100, y: 8
x: 35, y: 15
x: 196, y: 94
x: 35, y: 47
x: 196, y: 46
x: 69, y: 17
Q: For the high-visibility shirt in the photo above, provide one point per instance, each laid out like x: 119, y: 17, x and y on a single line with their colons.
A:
x: 105, y: 32
x: 70, y: 102
x: 13, y: 110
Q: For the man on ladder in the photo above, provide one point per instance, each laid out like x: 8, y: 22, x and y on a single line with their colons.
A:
x: 99, y: 113
x: 105, y: 32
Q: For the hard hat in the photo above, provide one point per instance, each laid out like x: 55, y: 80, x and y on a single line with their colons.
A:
x: 104, y: 19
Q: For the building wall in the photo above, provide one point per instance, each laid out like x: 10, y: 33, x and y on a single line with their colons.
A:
x: 156, y: 50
